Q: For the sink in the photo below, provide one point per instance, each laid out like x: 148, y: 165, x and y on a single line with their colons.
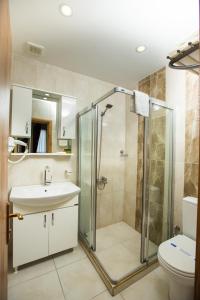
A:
x: 40, y: 195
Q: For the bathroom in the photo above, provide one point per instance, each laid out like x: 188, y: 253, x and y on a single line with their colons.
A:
x: 103, y: 151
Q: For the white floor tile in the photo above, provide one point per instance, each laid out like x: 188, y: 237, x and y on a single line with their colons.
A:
x: 133, y: 245
x: 106, y: 296
x: 45, y: 287
x: 80, y: 281
x: 31, y: 271
x: 122, y: 232
x: 70, y: 257
x: 116, y: 233
x: 105, y: 239
x: 118, y: 261
x: 118, y: 249
x: 154, y: 286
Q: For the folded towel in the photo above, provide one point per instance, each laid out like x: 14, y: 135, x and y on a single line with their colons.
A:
x: 141, y: 103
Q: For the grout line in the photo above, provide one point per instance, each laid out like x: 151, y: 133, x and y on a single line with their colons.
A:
x: 26, y: 268
x: 69, y: 264
x: 99, y: 294
x: 35, y: 277
x: 59, y: 281
x: 122, y: 296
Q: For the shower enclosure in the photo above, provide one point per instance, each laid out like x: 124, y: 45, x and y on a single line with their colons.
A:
x: 125, y: 176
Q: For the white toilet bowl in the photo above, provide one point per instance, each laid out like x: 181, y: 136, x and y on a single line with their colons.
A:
x: 177, y: 258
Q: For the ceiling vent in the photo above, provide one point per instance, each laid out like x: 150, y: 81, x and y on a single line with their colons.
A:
x: 34, y: 49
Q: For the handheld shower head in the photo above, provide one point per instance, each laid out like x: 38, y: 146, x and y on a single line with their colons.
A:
x: 108, y: 106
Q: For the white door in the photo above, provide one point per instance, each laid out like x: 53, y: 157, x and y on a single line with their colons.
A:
x: 63, y: 229
x: 21, y: 112
x: 30, y: 238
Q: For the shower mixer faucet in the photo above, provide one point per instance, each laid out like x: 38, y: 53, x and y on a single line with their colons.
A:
x: 101, y: 182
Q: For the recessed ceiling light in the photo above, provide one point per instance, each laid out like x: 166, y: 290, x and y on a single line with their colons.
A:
x: 66, y: 10
x: 45, y: 98
x: 47, y: 95
x: 140, y: 49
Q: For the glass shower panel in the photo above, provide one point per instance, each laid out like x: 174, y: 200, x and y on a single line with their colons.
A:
x: 117, y: 238
x: 86, y: 210
x: 159, y: 177
x: 125, y: 175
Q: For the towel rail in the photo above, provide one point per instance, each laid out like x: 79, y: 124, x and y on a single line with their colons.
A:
x: 181, y: 54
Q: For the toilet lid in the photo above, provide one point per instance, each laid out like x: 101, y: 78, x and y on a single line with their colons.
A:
x: 179, y: 253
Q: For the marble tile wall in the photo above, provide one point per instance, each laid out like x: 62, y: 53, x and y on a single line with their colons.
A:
x: 191, y: 135
x: 157, y: 176
x: 154, y: 85
x: 182, y: 93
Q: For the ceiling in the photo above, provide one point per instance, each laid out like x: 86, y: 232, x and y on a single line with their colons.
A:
x: 100, y: 38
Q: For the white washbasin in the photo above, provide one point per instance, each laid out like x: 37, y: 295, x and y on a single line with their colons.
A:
x: 40, y: 195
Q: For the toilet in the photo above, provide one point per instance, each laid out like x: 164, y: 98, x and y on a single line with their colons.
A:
x: 177, y: 255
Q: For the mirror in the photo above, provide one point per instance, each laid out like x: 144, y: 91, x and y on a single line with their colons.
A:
x: 44, y: 120
x: 44, y: 123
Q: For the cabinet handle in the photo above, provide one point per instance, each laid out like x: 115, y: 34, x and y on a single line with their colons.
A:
x: 26, y: 127
x: 45, y: 221
x: 63, y: 131
x: 52, y: 219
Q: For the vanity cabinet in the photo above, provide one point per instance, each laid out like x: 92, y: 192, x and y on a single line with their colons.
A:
x: 21, y: 112
x: 67, y: 118
x: 30, y: 238
x: 45, y: 233
x: 63, y: 229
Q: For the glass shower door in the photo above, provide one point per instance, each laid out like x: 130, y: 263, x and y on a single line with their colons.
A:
x: 87, y: 177
x: 158, y: 178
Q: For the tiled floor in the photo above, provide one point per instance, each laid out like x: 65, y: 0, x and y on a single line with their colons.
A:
x: 118, y: 249
x: 71, y: 276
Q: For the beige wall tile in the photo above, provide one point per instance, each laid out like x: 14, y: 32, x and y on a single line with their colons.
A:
x: 53, y: 79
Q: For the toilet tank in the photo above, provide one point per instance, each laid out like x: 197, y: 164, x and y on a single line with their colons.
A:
x: 189, y: 217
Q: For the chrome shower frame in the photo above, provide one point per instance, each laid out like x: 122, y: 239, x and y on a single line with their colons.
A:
x: 148, y: 263
x: 92, y: 241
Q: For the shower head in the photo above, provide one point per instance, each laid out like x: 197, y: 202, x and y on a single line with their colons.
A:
x: 108, y: 106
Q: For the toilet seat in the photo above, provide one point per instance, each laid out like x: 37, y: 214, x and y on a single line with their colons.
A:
x: 177, y: 273
x: 178, y: 256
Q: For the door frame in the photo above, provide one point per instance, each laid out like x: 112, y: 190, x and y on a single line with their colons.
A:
x: 49, y: 131
x: 5, y: 63
x: 197, y: 265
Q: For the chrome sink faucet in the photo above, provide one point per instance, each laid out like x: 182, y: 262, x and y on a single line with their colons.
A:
x: 47, y: 175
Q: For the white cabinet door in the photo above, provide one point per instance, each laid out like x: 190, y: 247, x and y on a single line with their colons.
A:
x: 63, y: 229
x: 30, y: 238
x: 67, y: 117
x: 21, y: 112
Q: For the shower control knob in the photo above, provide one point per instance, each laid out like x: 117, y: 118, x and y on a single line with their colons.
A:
x: 122, y: 154
x: 101, y: 182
